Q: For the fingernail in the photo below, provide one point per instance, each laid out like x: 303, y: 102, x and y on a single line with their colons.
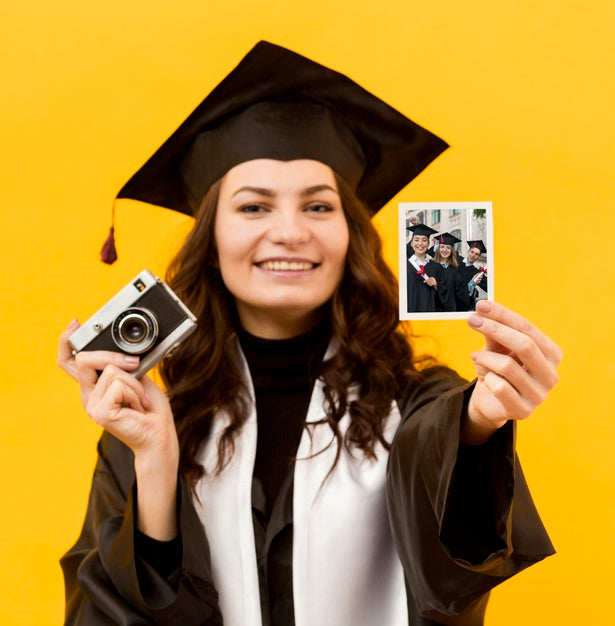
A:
x: 476, y: 321
x: 484, y: 305
x: 474, y: 356
x: 133, y: 360
x: 74, y: 322
x: 148, y: 400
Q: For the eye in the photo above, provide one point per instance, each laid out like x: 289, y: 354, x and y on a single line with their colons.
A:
x: 252, y: 208
x: 319, y: 207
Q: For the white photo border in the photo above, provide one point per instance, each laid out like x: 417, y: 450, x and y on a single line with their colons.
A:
x: 403, y: 208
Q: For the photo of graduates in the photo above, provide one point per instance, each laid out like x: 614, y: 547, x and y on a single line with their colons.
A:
x: 444, y: 268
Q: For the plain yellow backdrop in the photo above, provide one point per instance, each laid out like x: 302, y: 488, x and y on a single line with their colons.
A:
x: 522, y: 90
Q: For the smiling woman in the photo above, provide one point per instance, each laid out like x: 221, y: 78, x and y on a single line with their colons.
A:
x: 282, y: 238
x: 301, y: 468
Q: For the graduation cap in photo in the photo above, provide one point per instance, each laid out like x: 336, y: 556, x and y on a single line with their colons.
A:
x: 280, y: 105
x: 421, y: 229
x: 477, y: 243
x: 447, y: 239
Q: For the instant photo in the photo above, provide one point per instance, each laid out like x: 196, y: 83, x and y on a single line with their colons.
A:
x: 445, y: 258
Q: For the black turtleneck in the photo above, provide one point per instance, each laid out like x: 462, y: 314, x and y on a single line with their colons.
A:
x: 283, y: 373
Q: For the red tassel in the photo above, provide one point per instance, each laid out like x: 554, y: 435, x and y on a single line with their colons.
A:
x: 108, y: 254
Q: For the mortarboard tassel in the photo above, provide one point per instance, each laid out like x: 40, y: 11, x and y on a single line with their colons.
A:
x: 108, y: 253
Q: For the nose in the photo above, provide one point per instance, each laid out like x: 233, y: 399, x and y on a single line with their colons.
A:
x: 289, y: 228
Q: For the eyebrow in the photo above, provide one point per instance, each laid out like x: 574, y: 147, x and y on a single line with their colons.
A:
x: 270, y: 193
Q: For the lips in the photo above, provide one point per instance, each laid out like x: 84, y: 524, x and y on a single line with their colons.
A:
x: 278, y: 265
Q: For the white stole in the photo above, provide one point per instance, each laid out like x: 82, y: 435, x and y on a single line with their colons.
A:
x: 346, y: 571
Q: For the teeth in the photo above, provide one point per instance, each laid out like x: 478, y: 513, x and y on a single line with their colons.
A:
x: 286, y: 266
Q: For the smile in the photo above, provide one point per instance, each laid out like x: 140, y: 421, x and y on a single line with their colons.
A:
x: 286, y: 266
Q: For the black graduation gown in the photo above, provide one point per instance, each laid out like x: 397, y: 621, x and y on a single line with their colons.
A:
x: 421, y: 297
x: 466, y: 301
x: 446, y: 291
x: 461, y: 516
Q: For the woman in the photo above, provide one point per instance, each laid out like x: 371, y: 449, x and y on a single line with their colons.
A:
x: 446, y: 257
x: 198, y: 509
x: 425, y: 287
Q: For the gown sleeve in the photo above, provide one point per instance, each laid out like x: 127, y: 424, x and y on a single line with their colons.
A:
x: 108, y: 583
x: 462, y: 516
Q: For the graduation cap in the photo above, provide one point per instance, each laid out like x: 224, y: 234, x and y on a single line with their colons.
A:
x: 277, y: 104
x: 447, y: 239
x: 477, y: 243
x: 421, y: 229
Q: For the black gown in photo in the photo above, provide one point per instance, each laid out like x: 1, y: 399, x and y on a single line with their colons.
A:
x: 450, y: 283
x: 466, y: 301
x: 421, y: 298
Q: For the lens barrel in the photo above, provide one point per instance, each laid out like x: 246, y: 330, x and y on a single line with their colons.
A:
x: 135, y: 330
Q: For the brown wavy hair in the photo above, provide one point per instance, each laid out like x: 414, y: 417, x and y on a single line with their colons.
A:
x: 205, y: 374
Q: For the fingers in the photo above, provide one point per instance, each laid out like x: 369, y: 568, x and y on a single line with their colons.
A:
x: 505, y: 401
x: 65, y: 359
x: 495, y: 369
x: 500, y: 314
x: 122, y: 405
x: 116, y: 389
x: 509, y: 333
x: 89, y: 364
x: 516, y: 369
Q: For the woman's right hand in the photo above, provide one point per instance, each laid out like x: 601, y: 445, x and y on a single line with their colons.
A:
x: 137, y: 413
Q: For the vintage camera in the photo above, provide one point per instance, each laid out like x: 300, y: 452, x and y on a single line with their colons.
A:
x: 145, y: 318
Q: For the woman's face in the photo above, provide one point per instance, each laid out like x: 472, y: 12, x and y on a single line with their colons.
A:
x: 445, y: 251
x: 420, y: 244
x: 282, y: 237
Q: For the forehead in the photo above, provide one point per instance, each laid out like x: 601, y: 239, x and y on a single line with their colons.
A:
x: 274, y: 174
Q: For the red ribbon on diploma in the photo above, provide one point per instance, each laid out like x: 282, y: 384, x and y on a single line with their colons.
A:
x: 482, y: 269
x: 421, y: 272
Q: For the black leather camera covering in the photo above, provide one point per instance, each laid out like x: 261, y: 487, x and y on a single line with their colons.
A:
x: 161, y: 305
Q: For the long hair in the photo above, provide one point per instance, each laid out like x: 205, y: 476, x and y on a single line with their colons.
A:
x: 451, y: 259
x: 205, y: 374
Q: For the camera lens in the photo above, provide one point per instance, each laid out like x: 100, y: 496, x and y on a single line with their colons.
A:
x: 135, y: 330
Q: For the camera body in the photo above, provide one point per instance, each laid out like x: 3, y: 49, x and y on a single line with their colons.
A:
x: 145, y: 318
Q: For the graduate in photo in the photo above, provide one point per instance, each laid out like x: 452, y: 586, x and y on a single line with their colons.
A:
x: 471, y: 276
x: 445, y: 255
x: 297, y: 466
x: 424, y: 276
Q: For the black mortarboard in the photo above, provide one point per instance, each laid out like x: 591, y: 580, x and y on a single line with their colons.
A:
x: 477, y: 243
x: 421, y: 229
x: 447, y: 239
x: 278, y: 104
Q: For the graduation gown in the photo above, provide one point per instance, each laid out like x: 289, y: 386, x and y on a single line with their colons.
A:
x: 421, y: 297
x: 450, y: 280
x: 461, y: 519
x: 466, y: 301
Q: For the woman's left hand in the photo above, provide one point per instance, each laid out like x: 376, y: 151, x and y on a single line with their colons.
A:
x: 516, y: 370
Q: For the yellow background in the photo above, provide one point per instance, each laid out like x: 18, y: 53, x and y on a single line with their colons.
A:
x: 523, y: 91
